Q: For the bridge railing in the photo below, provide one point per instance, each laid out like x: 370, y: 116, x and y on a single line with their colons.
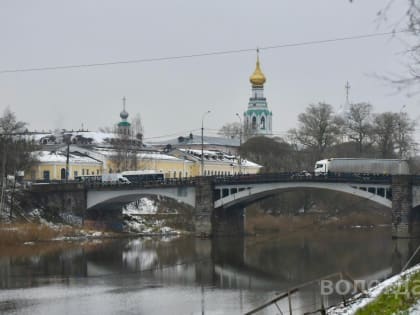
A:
x: 250, y: 178
x: 144, y: 184
x: 306, y: 176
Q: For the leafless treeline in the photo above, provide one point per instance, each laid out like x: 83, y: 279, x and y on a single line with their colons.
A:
x: 321, y: 133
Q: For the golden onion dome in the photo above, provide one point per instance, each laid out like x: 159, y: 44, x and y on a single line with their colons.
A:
x: 258, y: 77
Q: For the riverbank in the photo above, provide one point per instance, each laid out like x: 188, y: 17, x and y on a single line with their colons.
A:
x: 399, y: 294
x: 145, y: 217
x: 21, y: 233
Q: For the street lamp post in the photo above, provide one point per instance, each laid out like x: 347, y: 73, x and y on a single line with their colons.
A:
x: 202, y: 142
x: 240, y: 144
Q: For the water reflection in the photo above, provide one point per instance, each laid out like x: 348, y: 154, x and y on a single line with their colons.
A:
x: 188, y: 275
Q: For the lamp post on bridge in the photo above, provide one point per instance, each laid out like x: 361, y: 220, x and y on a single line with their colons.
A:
x: 202, y: 141
x: 240, y: 144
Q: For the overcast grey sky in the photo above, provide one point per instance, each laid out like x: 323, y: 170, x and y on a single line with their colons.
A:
x: 171, y: 96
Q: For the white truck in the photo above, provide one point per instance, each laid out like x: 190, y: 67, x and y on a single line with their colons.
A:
x: 114, y: 178
x: 362, y: 166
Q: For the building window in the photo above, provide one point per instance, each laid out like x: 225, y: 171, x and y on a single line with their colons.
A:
x: 83, y: 171
x: 180, y: 174
x: 254, y: 123
x: 46, y: 175
x: 75, y: 174
x: 97, y: 172
x: 262, y: 125
x: 174, y: 174
x: 63, y: 173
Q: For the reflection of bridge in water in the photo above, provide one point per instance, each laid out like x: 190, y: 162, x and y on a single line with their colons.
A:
x: 262, y: 266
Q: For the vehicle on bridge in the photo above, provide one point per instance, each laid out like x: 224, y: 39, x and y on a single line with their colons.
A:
x: 88, y: 178
x: 138, y: 177
x: 113, y: 178
x: 361, y: 166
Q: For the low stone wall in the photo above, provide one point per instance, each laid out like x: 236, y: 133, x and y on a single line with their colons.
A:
x: 65, y: 202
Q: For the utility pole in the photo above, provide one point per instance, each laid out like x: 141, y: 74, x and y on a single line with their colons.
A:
x: 240, y: 144
x: 68, y: 161
x: 67, y: 140
x: 202, y: 142
x: 3, y: 174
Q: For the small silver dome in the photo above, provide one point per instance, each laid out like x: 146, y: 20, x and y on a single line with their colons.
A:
x: 124, y: 114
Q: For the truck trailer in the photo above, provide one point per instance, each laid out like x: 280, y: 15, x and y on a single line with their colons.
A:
x: 362, y: 166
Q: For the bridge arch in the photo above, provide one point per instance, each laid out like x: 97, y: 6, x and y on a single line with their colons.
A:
x: 249, y: 193
x: 112, y: 199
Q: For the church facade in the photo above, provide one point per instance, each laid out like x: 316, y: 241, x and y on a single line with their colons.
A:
x: 257, y: 118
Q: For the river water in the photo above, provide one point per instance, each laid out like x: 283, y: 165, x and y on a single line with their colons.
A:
x: 189, y: 275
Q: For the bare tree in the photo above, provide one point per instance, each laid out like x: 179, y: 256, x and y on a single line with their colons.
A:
x: 16, y: 151
x: 403, y: 135
x: 384, y: 125
x: 358, y: 123
x: 137, y: 128
x: 393, y: 134
x: 408, y: 23
x: 318, y: 128
x: 275, y: 155
x: 9, y: 124
x: 231, y: 130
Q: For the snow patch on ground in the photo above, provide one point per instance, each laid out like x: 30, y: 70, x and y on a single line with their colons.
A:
x: 360, y: 300
x: 415, y: 309
x: 71, y: 219
x: 145, y: 226
x: 136, y: 219
x: 141, y: 206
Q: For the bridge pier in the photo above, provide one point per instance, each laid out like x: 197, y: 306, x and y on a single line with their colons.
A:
x: 204, y: 201
x: 215, y: 222
x: 104, y: 219
x: 402, y: 206
x: 229, y: 222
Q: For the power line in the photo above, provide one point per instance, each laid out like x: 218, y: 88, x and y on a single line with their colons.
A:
x: 205, y: 54
x: 171, y: 135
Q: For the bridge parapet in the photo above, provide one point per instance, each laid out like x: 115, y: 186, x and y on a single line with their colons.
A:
x: 293, y: 177
x: 185, y: 182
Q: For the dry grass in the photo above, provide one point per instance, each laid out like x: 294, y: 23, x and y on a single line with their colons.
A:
x: 25, y: 232
x: 363, y: 219
x: 45, y: 248
x: 266, y: 223
x: 19, y: 233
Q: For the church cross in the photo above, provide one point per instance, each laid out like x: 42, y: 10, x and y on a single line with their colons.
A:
x: 347, y: 87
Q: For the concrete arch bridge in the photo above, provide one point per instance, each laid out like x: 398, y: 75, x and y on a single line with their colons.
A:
x: 219, y: 202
